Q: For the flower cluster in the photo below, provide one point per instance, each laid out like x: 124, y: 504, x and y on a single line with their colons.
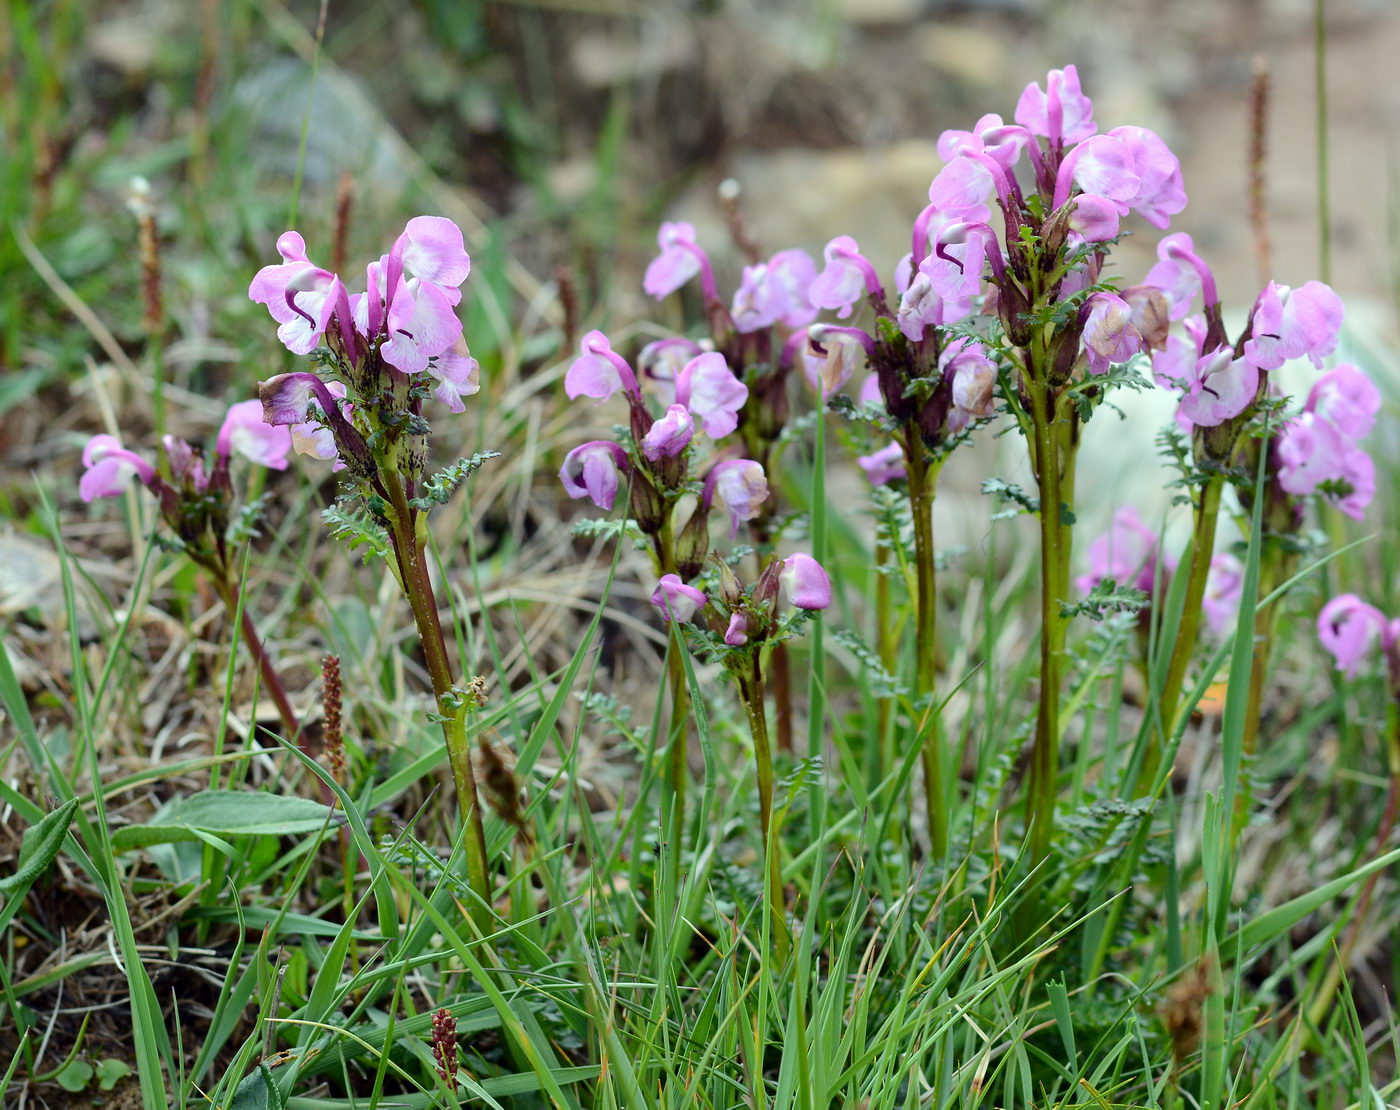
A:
x: 194, y: 494
x: 1351, y: 630
x: 381, y: 354
x: 747, y: 616
x: 109, y: 467
x: 702, y: 400
x: 388, y: 347
x: 1131, y: 554
x: 761, y: 333
x: 1222, y: 384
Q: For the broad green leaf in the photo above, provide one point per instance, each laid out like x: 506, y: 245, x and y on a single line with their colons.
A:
x: 39, y: 847
x: 225, y: 813
x: 75, y: 1076
x: 111, y: 1071
x: 257, y: 1091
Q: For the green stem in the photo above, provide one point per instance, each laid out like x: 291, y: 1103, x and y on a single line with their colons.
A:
x: 923, y: 475
x: 677, y: 736
x: 751, y: 692
x: 418, y: 590
x: 1054, y: 570
x: 781, y: 667
x: 887, y: 645
x: 1207, y: 514
x: 1273, y: 570
x: 677, y: 746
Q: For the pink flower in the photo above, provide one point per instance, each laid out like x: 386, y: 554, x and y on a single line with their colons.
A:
x: 930, y: 227
x: 989, y: 135
x: 847, y: 278
x: 1223, y: 586
x: 422, y: 324
x: 1347, y: 398
x: 300, y: 296
x: 313, y: 437
x: 1359, y: 476
x: 776, y: 292
x: 955, y: 268
x: 1160, y: 193
x: 186, y: 465
x: 1216, y: 387
x: 737, y: 634
x: 431, y: 249
x: 1128, y: 553
x: 661, y: 362
x: 592, y: 470
x: 286, y: 398
x: 829, y: 358
x: 712, y: 393
x: 676, y: 600
x: 670, y: 435
x: 269, y: 285
x: 974, y: 379
x: 920, y: 307
x: 962, y: 188
x: 740, y: 486
x: 458, y: 375
x: 246, y: 433
x: 680, y: 260
x: 1350, y: 630
x: 599, y: 371
x: 805, y: 583
x: 1109, y: 334
x: 1096, y: 219
x: 1221, y: 388
x: 110, y: 468
x: 1181, y: 274
x: 1102, y: 166
x: 884, y: 466
x: 315, y: 295
x: 1061, y: 112
x: 949, y: 278
x: 1311, y: 451
x: 1290, y: 323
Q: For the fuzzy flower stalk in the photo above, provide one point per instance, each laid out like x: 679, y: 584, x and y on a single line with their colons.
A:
x: 742, y: 628
x: 1061, y: 333
x: 194, y: 494
x: 381, y: 356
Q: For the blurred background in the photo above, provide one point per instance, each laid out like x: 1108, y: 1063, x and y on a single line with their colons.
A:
x: 560, y: 132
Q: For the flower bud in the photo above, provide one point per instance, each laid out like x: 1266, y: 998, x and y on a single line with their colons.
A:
x: 693, y: 544
x: 676, y: 600
x: 670, y: 435
x: 804, y: 582
x: 765, y: 590
x: 731, y: 591
x: 1014, y: 309
x: 1151, y: 314
x: 648, y: 506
